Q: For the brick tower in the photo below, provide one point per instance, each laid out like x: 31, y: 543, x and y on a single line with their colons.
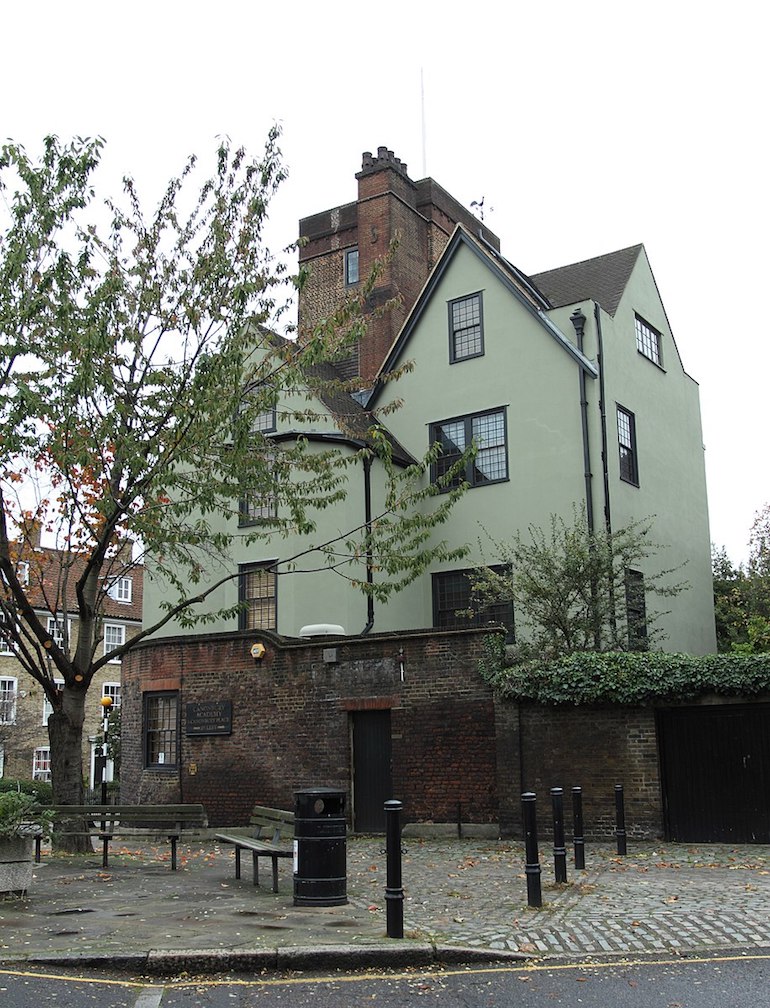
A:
x: 342, y: 244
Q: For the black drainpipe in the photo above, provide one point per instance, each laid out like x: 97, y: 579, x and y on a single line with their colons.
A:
x: 368, y: 520
x: 578, y: 320
x: 603, y: 416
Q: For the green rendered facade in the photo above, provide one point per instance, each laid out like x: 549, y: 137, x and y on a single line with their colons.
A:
x: 497, y: 355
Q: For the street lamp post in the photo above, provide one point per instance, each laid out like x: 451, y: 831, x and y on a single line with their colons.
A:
x: 106, y: 702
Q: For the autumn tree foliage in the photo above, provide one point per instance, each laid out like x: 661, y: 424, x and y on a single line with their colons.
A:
x: 136, y: 356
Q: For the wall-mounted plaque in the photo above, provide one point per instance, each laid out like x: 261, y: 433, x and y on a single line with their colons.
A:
x: 210, y: 717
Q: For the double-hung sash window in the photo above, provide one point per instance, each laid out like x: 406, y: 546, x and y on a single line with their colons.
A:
x: 114, y: 637
x: 161, y: 729
x: 258, y: 589
x: 8, y: 692
x: 466, y: 330
x: 629, y: 462
x: 47, y: 705
x: 41, y: 764
x: 487, y: 432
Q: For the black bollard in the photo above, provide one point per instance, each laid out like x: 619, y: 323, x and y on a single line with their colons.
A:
x: 394, y: 893
x: 559, y: 849
x: 577, y: 828
x: 532, y: 862
x: 620, y: 819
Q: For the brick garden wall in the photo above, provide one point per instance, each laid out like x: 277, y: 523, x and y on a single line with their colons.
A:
x: 593, y: 748
x: 458, y: 753
x: 290, y: 726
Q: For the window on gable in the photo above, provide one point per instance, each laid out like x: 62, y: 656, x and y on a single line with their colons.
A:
x: 8, y: 691
x: 351, y: 267
x: 487, y: 431
x: 466, y: 331
x: 258, y: 587
x: 647, y: 340
x: 121, y: 589
x: 114, y: 637
x: 161, y: 729
x: 629, y: 465
x: 452, y: 594
x: 636, y: 611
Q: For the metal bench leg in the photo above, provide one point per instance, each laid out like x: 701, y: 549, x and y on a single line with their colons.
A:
x: 105, y: 851
x: 173, y: 840
x: 237, y: 862
x: 275, y: 873
x: 255, y: 867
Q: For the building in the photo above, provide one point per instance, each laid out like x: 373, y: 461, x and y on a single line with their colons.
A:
x: 24, y: 708
x: 572, y: 387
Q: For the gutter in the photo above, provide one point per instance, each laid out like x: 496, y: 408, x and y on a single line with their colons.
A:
x: 578, y: 320
x: 368, y: 523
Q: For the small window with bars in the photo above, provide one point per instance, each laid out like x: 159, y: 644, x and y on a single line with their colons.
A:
x: 161, y: 728
x: 258, y: 587
x: 452, y: 598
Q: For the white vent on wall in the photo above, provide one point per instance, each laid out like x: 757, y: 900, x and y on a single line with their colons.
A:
x: 322, y: 630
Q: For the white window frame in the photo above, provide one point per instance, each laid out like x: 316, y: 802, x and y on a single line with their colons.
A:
x: 47, y: 705
x: 6, y: 647
x: 121, y: 590
x: 114, y: 646
x: 2, y: 761
x: 112, y: 690
x: 56, y: 630
x: 41, y: 764
x: 9, y: 694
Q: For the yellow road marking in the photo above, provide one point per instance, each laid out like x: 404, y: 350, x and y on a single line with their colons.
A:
x: 357, y: 977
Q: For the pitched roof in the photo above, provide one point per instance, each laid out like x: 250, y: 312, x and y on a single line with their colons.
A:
x: 602, y: 279
x: 516, y: 282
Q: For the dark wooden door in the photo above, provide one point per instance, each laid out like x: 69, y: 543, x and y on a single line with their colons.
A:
x: 371, y: 770
x: 715, y: 764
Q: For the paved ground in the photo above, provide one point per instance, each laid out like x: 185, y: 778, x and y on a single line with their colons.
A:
x: 463, y: 899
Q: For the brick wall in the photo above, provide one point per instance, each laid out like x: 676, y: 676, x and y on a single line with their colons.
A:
x: 458, y: 753
x: 594, y: 748
x: 290, y: 725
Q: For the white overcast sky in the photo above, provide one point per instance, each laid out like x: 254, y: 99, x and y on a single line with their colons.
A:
x: 586, y: 127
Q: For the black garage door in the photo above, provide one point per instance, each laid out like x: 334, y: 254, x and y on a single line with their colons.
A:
x: 715, y: 765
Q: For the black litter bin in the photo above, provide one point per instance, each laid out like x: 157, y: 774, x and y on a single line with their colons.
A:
x: 320, y: 847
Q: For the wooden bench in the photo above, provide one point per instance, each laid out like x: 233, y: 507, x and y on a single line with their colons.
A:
x: 271, y: 835
x: 108, y: 821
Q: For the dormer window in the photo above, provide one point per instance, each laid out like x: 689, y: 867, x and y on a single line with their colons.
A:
x: 121, y: 590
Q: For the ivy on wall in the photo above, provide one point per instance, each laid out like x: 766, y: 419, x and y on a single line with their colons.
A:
x: 623, y: 677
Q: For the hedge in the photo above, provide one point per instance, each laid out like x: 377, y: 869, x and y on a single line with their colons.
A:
x: 624, y: 677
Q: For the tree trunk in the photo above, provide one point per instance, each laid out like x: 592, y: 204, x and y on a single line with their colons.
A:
x: 65, y: 733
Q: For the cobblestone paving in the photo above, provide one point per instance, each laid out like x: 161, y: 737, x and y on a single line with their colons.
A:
x: 659, y: 898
